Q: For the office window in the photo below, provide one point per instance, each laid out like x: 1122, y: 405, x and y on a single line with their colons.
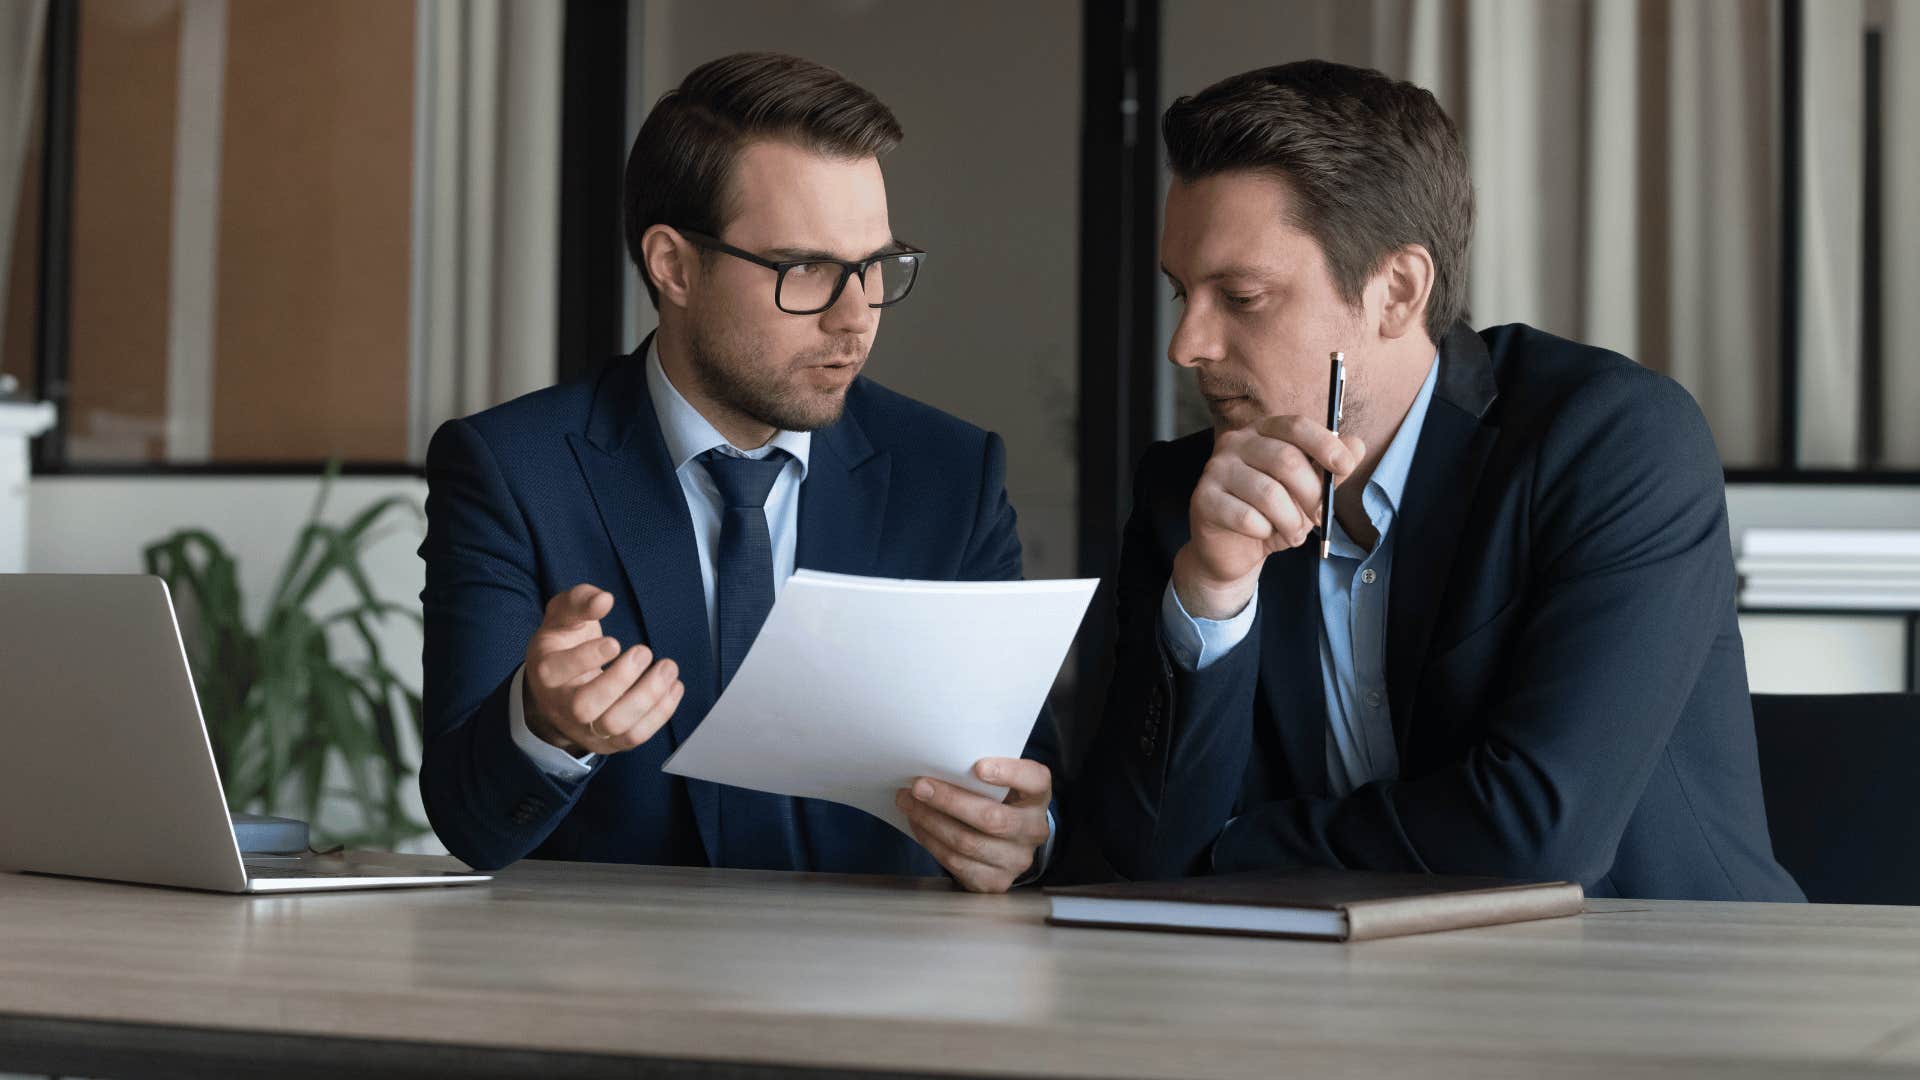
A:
x: 240, y: 240
x: 1628, y: 161
x: 23, y: 258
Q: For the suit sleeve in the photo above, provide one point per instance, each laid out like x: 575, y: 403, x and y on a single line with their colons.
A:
x: 1631, y: 582
x: 1166, y: 766
x: 488, y: 802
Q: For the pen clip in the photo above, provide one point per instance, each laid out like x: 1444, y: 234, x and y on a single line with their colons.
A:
x: 1339, y: 391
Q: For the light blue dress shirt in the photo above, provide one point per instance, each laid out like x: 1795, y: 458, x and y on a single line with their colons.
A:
x: 1353, y: 621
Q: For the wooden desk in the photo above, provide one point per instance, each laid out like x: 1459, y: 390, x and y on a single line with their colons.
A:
x: 590, y: 970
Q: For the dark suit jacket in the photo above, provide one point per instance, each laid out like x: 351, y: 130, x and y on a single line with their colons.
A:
x: 573, y: 484
x: 1564, y: 668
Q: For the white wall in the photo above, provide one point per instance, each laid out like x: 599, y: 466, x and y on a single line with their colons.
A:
x: 1821, y: 506
x: 1823, y: 654
x: 100, y: 524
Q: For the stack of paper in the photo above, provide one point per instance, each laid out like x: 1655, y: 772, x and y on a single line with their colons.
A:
x: 857, y: 685
x: 1866, y: 569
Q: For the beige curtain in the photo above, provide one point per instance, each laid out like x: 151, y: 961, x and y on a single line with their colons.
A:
x: 22, y: 26
x: 1900, y: 422
x: 1627, y: 155
x: 1624, y: 154
x: 1832, y: 231
x: 486, y: 229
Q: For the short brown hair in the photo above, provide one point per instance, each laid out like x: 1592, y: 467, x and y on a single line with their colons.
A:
x: 678, y: 171
x: 1373, y: 163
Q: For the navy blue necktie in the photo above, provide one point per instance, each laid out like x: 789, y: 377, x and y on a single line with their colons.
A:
x: 757, y: 829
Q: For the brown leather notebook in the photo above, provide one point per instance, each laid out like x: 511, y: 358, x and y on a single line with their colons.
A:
x: 1332, y: 905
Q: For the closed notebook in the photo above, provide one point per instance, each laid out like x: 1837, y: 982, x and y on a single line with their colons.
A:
x: 1334, y: 905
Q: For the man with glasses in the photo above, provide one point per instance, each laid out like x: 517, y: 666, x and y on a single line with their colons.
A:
x: 601, y: 554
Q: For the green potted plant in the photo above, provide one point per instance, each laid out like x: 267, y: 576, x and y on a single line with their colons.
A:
x: 294, y: 719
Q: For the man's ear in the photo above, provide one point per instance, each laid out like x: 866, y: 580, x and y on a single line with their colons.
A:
x: 670, y: 261
x: 1405, y: 280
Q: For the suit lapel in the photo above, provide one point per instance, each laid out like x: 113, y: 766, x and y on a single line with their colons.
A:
x: 1290, y: 627
x: 843, y: 502
x: 624, y: 459
x: 1440, y: 490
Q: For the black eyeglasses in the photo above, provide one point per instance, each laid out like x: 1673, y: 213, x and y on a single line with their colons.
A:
x: 811, y: 286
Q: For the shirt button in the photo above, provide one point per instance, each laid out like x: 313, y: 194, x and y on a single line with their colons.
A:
x: 1367, y: 576
x: 1373, y: 699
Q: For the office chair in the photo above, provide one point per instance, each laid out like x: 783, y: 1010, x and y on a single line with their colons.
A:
x: 1841, y: 777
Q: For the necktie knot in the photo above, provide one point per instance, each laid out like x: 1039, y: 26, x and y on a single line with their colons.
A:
x: 743, y: 482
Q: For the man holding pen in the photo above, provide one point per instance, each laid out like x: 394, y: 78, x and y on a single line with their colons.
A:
x: 1520, y: 657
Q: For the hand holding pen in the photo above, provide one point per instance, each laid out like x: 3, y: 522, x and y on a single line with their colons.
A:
x: 1336, y: 408
x: 1267, y: 488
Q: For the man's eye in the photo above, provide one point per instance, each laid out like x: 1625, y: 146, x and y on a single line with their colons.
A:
x: 806, y: 270
x: 1242, y: 299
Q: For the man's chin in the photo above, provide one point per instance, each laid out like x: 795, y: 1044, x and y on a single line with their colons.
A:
x: 1231, y: 413
x: 809, y: 410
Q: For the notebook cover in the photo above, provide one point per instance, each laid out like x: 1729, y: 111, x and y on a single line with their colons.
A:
x: 1376, y: 904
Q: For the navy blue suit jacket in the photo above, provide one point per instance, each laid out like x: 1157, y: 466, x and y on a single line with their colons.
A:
x: 1564, y: 668
x: 573, y: 484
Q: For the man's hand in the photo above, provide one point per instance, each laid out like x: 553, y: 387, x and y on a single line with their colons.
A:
x: 1259, y: 494
x: 581, y: 693
x: 984, y: 844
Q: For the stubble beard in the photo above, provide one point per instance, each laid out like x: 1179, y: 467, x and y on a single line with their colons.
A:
x: 734, y: 374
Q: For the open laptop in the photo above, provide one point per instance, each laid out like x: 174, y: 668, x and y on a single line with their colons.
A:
x: 105, y: 766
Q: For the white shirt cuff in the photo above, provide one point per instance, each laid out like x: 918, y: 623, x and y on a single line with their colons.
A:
x: 1196, y: 643
x: 552, y: 760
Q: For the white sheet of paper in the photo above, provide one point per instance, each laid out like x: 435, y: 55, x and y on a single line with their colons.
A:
x: 856, y: 685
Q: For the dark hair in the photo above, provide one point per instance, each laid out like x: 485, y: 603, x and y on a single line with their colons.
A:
x: 682, y: 160
x: 1373, y: 164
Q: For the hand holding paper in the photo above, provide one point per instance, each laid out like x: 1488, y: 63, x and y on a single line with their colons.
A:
x: 985, y: 845
x: 857, y: 686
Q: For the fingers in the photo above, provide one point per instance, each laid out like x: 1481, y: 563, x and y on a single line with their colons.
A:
x: 1290, y: 511
x: 1358, y: 448
x: 1250, y: 504
x: 569, y: 666
x: 622, y: 707
x: 644, y: 709
x: 1289, y: 468
x: 1267, y: 482
x: 589, y: 700
x: 1024, y: 825
x: 980, y: 863
x: 972, y: 874
x: 1028, y: 783
x: 1339, y: 453
x: 577, y: 606
x: 963, y: 840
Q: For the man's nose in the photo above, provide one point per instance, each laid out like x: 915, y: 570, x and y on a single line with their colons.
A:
x: 851, y: 312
